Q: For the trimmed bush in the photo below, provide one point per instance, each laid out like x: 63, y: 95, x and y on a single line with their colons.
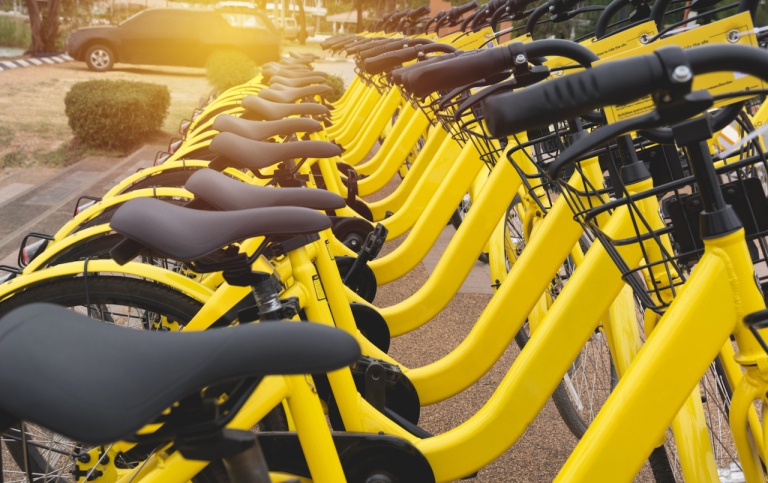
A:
x: 229, y: 68
x: 115, y: 114
x: 337, y: 83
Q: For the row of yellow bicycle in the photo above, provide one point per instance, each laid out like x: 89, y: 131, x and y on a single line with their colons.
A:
x: 213, y: 317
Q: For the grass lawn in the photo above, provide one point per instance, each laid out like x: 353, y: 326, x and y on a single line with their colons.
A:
x: 33, y: 126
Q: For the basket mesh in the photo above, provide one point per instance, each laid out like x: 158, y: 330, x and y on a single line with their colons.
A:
x: 671, y: 245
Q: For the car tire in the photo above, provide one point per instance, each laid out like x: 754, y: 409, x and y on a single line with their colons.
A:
x: 99, y: 58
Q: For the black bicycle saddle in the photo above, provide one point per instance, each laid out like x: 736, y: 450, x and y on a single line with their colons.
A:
x: 269, y: 111
x: 290, y: 95
x: 297, y: 74
x: 187, y: 235
x: 262, y: 130
x: 98, y: 383
x: 226, y: 194
x: 296, y: 82
x: 256, y: 155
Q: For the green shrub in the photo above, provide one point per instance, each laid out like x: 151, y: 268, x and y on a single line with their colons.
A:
x: 14, y: 32
x: 337, y: 83
x: 115, y: 114
x: 229, y: 68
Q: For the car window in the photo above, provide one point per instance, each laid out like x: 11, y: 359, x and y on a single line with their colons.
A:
x: 132, y: 17
x: 244, y: 20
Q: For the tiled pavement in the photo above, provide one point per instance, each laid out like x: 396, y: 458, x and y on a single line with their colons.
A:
x: 42, y: 200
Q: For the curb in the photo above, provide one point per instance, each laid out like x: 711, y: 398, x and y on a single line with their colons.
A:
x: 34, y: 61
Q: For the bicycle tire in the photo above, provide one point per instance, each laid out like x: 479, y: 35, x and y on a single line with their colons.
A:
x: 716, y: 393
x: 103, y: 290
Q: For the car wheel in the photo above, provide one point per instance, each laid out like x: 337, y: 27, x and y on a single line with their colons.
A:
x: 99, y: 58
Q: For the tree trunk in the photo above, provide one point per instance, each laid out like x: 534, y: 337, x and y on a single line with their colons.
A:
x: 51, y: 25
x: 359, y: 9
x: 45, y: 29
x: 302, y: 34
x: 35, y: 25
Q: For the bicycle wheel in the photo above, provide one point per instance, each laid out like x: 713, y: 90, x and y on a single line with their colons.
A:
x: 716, y: 394
x: 124, y: 301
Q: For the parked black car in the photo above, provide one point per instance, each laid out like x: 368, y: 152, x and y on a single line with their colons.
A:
x: 167, y: 36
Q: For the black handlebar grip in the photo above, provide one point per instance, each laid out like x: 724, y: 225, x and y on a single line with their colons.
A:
x: 389, y: 60
x: 359, y: 46
x: 336, y: 42
x: 568, y: 97
x: 458, y: 72
x: 462, y: 9
x: 397, y: 74
x: 419, y: 12
x: 382, y: 48
x: 380, y: 63
x: 391, y: 47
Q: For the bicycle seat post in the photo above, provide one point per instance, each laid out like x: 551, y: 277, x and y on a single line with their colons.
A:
x: 239, y: 450
x: 249, y: 465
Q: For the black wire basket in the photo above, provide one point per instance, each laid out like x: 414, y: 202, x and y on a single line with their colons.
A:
x: 471, y: 122
x: 531, y: 159
x: 671, y: 245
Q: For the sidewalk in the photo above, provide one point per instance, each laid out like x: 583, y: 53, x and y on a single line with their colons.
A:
x: 43, y: 200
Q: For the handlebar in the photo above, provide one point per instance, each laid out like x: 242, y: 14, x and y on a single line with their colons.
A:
x: 365, y: 44
x: 391, y: 46
x: 535, y: 16
x: 479, y: 15
x: 386, y: 61
x: 476, y: 65
x: 613, y: 83
x: 400, y: 73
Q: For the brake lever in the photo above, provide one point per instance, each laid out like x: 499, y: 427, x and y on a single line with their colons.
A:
x: 536, y: 74
x: 664, y: 115
x: 490, y: 81
x: 562, y: 17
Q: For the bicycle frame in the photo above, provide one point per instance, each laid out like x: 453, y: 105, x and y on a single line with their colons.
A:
x: 688, y: 337
x: 296, y: 392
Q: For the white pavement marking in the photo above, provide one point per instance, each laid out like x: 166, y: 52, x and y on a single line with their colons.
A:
x: 58, y: 59
x: 35, y: 61
x: 23, y: 63
x: 47, y: 60
x: 8, y: 64
x: 66, y: 57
